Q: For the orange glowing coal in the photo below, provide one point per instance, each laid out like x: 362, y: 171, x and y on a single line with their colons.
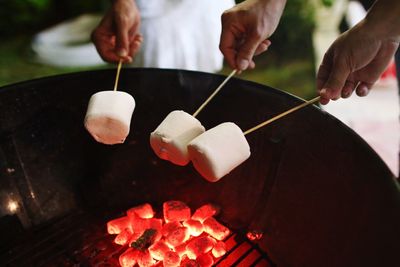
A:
x: 178, y: 239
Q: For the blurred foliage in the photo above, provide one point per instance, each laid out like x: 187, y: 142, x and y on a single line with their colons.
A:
x: 28, y: 16
x: 327, y: 2
x: 292, y: 39
x: 17, y: 63
x: 17, y: 15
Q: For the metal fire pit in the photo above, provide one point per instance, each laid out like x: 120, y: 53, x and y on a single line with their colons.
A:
x: 319, y: 193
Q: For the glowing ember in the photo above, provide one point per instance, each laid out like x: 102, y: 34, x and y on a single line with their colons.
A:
x: 169, y: 227
x: 189, y: 263
x: 177, y: 237
x: 144, y: 211
x: 171, y: 259
x: 118, y: 225
x: 176, y: 211
x: 158, y: 250
x: 254, y: 235
x: 181, y: 241
x: 205, y: 211
x: 219, y: 249
x: 128, y: 258
x: 215, y: 229
x: 198, y: 246
x: 205, y: 260
x: 138, y: 224
x: 123, y: 237
x: 195, y: 227
x: 181, y: 250
x: 144, y: 259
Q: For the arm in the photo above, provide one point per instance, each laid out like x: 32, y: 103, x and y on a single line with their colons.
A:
x: 246, y: 28
x: 358, y: 57
x: 117, y: 36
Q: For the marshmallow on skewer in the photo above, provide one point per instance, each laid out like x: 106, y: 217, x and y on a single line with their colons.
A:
x: 218, y: 151
x: 169, y: 140
x: 108, y: 116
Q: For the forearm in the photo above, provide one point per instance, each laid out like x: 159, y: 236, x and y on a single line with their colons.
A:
x: 383, y: 19
x: 274, y: 5
x: 273, y: 8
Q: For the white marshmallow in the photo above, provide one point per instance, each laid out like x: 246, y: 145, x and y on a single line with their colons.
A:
x: 169, y: 141
x: 108, y: 116
x: 218, y: 151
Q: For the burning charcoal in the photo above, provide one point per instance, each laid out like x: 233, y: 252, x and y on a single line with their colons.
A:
x: 205, y: 260
x: 171, y: 259
x: 144, y: 211
x: 215, y: 229
x: 254, y: 235
x: 116, y: 226
x: 186, y: 262
x: 206, y: 211
x: 177, y: 237
x: 169, y: 227
x: 138, y: 225
x: 158, y: 250
x: 135, y: 236
x: 156, y: 224
x: 198, y: 246
x: 195, y: 227
x: 181, y: 250
x: 123, y: 237
x: 145, y: 240
x: 144, y: 259
x: 219, y: 249
x: 128, y: 258
x: 176, y: 211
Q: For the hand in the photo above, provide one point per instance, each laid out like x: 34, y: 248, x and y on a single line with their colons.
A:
x: 117, y: 36
x: 354, y: 62
x: 246, y: 28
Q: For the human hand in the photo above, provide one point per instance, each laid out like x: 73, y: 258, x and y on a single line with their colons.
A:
x: 246, y: 28
x: 354, y: 62
x: 117, y: 36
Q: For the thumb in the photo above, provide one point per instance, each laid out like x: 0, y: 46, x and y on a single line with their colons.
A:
x: 247, y: 51
x: 122, y: 38
x: 337, y: 77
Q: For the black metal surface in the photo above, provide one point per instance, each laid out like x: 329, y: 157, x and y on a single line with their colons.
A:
x: 317, y: 190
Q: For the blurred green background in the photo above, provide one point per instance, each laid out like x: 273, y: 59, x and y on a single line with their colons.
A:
x: 288, y: 65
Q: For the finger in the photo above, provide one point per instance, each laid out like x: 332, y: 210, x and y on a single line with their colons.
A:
x: 348, y: 89
x: 252, y: 64
x: 247, y: 51
x: 363, y: 89
x: 264, y: 45
x: 122, y: 36
x: 135, y: 45
x: 324, y: 100
x: 323, y: 72
x: 336, y: 81
x: 105, y: 47
x: 227, y: 46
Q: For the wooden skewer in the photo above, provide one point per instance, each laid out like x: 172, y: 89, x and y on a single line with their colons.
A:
x: 214, y: 93
x: 117, y: 76
x: 282, y: 115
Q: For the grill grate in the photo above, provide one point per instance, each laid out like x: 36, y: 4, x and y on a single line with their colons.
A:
x: 78, y: 241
